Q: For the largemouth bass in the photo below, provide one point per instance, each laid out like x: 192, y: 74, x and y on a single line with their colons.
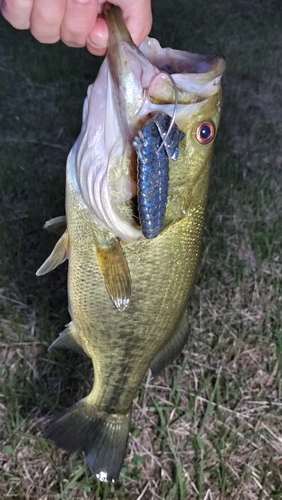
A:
x: 128, y: 293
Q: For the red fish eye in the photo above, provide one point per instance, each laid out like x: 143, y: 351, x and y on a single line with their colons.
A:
x: 205, y: 132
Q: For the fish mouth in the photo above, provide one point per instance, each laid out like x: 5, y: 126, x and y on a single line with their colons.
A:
x: 197, y: 76
x: 184, y: 62
x: 132, y: 86
x: 140, y: 75
x: 180, y: 61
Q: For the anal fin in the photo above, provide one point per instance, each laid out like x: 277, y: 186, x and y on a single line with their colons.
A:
x: 67, y: 340
x: 57, y: 256
x: 57, y: 225
x: 115, y: 271
x: 172, y: 348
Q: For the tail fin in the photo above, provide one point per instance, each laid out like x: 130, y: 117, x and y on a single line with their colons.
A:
x: 101, y: 436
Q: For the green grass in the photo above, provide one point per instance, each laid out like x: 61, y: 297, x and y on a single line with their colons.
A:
x: 210, y: 426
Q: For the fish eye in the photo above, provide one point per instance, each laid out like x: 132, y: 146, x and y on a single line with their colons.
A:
x: 205, y: 132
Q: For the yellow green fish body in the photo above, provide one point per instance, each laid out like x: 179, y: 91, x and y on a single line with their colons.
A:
x: 127, y: 294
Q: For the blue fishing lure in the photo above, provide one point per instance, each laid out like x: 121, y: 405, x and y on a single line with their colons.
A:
x: 154, y: 148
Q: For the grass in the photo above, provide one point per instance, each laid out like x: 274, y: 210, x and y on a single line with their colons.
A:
x: 210, y: 426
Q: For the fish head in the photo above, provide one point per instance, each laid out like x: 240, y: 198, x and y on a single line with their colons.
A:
x: 197, y: 113
x: 133, y: 85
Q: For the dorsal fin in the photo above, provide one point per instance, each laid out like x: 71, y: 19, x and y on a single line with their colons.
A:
x: 57, y: 256
x: 67, y: 340
x: 57, y: 225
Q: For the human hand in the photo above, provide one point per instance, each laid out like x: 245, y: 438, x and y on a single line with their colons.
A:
x: 76, y: 22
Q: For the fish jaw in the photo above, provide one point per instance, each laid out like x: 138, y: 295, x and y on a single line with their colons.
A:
x: 129, y: 89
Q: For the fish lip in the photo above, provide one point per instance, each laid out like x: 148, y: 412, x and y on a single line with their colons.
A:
x: 217, y: 64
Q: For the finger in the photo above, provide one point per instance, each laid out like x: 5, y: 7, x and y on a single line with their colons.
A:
x: 46, y: 19
x: 17, y: 12
x: 97, y: 40
x: 137, y: 16
x: 138, y: 20
x: 79, y: 17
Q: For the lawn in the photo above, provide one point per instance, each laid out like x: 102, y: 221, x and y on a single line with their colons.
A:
x: 210, y: 426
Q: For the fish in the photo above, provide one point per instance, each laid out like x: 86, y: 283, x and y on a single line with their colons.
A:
x: 128, y: 293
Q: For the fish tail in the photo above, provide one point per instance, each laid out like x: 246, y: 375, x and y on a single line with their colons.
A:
x: 101, y: 436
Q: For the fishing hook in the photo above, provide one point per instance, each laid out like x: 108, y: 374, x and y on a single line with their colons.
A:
x: 174, y: 111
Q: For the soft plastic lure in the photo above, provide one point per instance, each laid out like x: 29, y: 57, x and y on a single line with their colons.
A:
x: 158, y: 142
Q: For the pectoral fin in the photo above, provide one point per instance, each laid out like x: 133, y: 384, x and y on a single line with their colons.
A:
x: 57, y: 225
x: 67, y: 340
x: 116, y: 274
x: 172, y: 348
x: 57, y: 257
